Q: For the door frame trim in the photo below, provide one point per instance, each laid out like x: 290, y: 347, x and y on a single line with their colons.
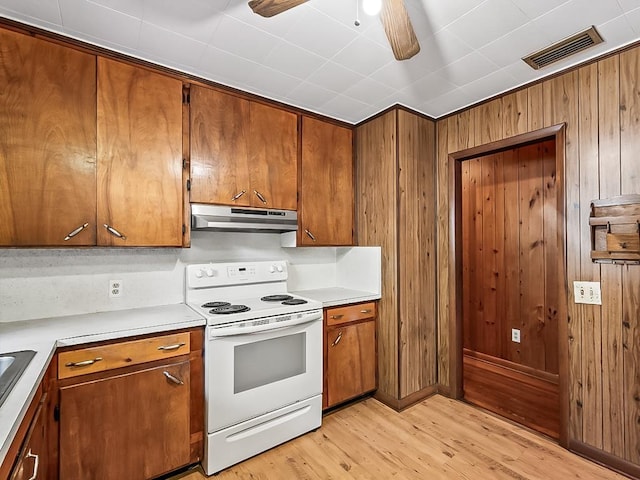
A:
x: 558, y: 133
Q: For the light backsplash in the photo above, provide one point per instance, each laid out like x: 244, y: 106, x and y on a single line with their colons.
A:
x: 41, y: 283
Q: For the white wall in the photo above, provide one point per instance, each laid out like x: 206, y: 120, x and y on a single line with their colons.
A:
x: 40, y: 283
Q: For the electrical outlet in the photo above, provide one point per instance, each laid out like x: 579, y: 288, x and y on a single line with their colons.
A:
x: 587, y: 292
x: 115, y: 288
x: 515, y: 335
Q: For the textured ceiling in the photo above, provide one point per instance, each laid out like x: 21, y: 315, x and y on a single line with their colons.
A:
x: 314, y: 57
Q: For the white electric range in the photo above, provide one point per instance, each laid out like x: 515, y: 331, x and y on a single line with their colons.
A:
x: 263, y: 358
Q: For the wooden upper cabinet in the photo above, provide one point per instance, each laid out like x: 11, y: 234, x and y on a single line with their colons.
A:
x: 47, y: 143
x: 273, y: 157
x: 219, y: 126
x: 326, y: 188
x: 139, y: 156
x: 241, y: 151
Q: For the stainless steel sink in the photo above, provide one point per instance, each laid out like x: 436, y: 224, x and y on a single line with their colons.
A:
x: 12, y: 365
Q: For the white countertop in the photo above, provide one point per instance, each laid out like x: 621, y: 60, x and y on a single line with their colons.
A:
x: 45, y: 335
x: 333, y: 296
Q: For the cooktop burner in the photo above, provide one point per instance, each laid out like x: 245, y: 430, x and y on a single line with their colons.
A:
x: 276, y: 298
x: 215, y: 304
x: 229, y: 309
x: 294, y: 301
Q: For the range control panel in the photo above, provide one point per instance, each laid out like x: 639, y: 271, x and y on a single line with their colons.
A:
x: 204, y: 275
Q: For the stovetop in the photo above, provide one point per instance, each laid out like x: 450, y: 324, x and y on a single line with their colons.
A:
x: 234, y: 292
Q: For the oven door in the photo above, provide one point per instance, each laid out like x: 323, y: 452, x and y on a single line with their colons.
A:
x: 249, y: 374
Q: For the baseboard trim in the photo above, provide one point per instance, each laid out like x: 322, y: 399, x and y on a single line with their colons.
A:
x: 605, y: 459
x: 445, y: 391
x: 400, y: 404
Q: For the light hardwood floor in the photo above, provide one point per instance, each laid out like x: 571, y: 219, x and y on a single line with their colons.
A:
x: 436, y: 439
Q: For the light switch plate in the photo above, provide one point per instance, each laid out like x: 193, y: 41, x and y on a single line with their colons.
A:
x: 515, y: 335
x: 587, y: 292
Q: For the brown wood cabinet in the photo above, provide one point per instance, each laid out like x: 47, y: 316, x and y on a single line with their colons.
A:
x: 139, y: 201
x: 326, y: 184
x: 243, y: 153
x: 33, y: 460
x: 135, y: 422
x: 47, y: 143
x: 350, y: 352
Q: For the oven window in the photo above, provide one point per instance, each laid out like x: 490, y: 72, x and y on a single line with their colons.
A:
x: 267, y: 361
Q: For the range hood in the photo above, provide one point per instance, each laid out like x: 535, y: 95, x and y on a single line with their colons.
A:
x: 220, y: 218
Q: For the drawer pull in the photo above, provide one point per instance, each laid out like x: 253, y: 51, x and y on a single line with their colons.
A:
x: 84, y: 363
x: 311, y: 235
x: 260, y: 197
x: 337, y: 340
x: 170, y: 377
x: 337, y: 317
x: 365, y: 311
x: 36, y: 464
x: 175, y: 346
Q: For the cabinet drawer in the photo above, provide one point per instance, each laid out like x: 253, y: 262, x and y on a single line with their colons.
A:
x: 116, y: 355
x: 350, y: 313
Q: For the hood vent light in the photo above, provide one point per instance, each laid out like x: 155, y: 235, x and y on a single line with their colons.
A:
x: 564, y: 48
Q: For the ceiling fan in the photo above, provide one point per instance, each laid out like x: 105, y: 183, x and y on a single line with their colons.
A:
x: 394, y: 16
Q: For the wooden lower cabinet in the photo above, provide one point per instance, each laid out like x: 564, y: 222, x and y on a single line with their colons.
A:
x: 32, y: 463
x: 133, y: 426
x: 135, y: 422
x: 350, y: 354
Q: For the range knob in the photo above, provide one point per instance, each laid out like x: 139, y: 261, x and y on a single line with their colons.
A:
x: 199, y: 273
x: 279, y: 268
x: 210, y: 272
x: 272, y: 269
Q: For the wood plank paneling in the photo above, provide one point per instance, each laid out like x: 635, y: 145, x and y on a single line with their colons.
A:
x: 515, y: 113
x: 630, y: 183
x: 488, y: 122
x: 599, y: 104
x: 611, y: 275
x: 560, y: 105
x: 442, y: 229
x: 416, y: 222
x: 376, y: 192
x: 591, y: 316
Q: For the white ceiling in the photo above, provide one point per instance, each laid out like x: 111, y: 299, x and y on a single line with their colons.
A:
x: 314, y: 57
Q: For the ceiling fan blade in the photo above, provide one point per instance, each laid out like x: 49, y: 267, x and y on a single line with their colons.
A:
x: 269, y: 8
x: 399, y: 30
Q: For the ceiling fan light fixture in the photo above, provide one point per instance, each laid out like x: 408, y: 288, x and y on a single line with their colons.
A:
x: 372, y: 7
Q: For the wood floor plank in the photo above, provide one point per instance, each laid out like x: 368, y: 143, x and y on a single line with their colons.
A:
x: 438, y: 438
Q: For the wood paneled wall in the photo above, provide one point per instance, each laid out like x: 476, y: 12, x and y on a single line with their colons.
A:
x: 600, y: 105
x: 395, y: 184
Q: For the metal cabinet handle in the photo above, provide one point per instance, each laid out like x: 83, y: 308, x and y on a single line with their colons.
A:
x: 365, y: 311
x: 73, y: 233
x: 175, y: 380
x: 114, y: 232
x: 310, y: 234
x: 337, y: 340
x: 84, y: 363
x: 175, y: 346
x: 337, y: 317
x: 238, y: 195
x: 259, y: 195
x: 36, y: 464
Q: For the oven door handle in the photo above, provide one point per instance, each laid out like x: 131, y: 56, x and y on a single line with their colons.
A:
x: 231, y: 330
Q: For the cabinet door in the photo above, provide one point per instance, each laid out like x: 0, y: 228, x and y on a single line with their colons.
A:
x: 326, y: 187
x: 47, y: 143
x: 350, y: 361
x: 32, y: 463
x: 133, y: 426
x: 139, y: 156
x: 273, y: 167
x: 219, y: 125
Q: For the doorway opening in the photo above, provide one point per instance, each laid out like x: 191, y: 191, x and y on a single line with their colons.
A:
x: 509, y: 322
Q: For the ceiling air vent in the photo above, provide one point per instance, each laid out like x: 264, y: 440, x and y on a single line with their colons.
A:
x: 564, y: 48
